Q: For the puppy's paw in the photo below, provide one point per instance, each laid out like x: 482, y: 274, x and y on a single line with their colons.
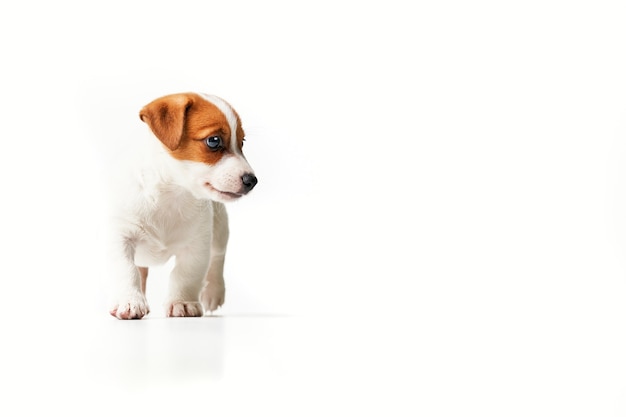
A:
x: 134, y: 307
x: 184, y: 309
x: 212, y: 297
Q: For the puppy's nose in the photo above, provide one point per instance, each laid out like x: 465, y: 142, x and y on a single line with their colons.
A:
x: 249, y: 181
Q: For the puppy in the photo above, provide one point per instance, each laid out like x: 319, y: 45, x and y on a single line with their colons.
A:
x: 170, y: 203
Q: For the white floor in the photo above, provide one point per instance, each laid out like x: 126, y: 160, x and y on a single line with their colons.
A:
x: 428, y: 360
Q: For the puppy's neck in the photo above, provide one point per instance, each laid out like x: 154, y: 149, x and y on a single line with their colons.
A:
x: 158, y: 169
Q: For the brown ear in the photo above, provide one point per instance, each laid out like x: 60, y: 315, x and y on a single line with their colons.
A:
x: 166, y: 118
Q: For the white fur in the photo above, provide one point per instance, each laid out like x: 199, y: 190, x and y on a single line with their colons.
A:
x: 162, y: 207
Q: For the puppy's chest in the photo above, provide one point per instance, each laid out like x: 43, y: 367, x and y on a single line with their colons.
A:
x: 173, y: 224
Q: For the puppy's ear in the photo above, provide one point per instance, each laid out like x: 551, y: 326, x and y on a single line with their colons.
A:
x: 166, y: 118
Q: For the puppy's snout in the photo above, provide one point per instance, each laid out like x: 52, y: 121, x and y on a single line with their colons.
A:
x: 249, y: 181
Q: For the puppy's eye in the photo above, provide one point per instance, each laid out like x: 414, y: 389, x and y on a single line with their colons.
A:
x: 213, y: 142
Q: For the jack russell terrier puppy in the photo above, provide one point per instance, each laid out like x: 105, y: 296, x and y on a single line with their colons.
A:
x: 172, y: 205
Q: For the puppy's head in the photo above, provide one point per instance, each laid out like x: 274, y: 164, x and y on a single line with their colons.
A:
x: 203, y: 134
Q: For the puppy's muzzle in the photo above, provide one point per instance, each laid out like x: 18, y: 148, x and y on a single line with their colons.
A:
x: 249, y: 181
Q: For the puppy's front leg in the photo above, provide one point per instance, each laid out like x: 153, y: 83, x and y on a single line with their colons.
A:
x: 212, y: 295
x: 186, y: 281
x: 130, y: 301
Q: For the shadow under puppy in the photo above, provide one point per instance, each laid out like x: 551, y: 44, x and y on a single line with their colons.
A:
x: 169, y: 202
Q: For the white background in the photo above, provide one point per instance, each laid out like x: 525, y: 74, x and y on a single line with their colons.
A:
x: 439, y: 227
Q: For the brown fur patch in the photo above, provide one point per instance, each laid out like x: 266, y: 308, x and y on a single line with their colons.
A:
x: 183, y: 122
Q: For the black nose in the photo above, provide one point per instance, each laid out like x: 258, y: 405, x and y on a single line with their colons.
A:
x: 249, y: 181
